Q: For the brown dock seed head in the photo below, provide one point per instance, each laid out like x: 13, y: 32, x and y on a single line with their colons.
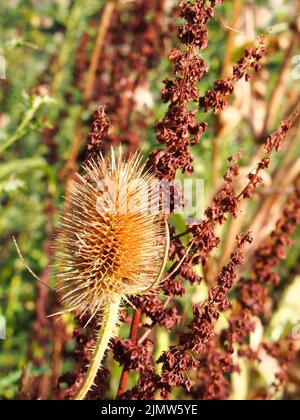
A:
x: 111, y: 241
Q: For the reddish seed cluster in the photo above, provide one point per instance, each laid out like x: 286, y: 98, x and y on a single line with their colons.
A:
x: 227, y: 202
x: 177, y: 361
x: 202, y: 339
x: 179, y: 128
x: 185, y: 272
x: 145, y: 388
x: 240, y: 326
x: 175, y: 366
x: 99, y: 130
x: 133, y: 356
x: 254, y: 291
x: 214, y: 362
x: 155, y: 310
x: 177, y: 131
x: 216, y: 98
x: 284, y: 351
x: 274, y: 142
x: 213, y: 367
x: 201, y: 327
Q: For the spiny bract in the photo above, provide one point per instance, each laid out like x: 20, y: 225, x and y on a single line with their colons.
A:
x: 110, y: 244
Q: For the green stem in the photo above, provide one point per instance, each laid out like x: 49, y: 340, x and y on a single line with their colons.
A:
x: 109, y: 320
x: 28, y: 117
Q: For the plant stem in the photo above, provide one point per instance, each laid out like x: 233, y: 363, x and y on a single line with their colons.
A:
x: 133, y: 336
x: 103, y: 27
x: 28, y: 117
x: 109, y: 320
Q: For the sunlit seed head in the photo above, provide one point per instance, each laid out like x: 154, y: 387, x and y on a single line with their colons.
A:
x: 111, y: 242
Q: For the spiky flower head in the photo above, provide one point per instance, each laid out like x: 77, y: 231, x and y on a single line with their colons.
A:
x: 111, y: 243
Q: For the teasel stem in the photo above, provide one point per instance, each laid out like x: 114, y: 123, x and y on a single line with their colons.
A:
x: 109, y: 320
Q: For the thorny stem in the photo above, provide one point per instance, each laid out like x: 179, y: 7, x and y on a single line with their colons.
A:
x: 133, y: 336
x: 109, y: 320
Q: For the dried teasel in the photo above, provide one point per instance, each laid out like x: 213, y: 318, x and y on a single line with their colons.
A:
x: 113, y: 244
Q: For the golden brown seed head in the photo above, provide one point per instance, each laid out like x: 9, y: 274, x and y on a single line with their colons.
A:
x: 110, y: 244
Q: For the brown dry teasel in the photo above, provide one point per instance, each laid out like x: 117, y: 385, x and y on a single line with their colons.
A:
x: 112, y: 244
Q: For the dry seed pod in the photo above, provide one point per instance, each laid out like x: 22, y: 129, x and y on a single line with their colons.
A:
x: 113, y: 244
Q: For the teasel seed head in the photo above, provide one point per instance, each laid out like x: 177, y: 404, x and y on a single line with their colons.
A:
x: 110, y: 245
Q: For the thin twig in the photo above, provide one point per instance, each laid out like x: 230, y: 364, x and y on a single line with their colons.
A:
x: 133, y: 336
x: 148, y: 330
x: 103, y: 27
x: 27, y: 266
